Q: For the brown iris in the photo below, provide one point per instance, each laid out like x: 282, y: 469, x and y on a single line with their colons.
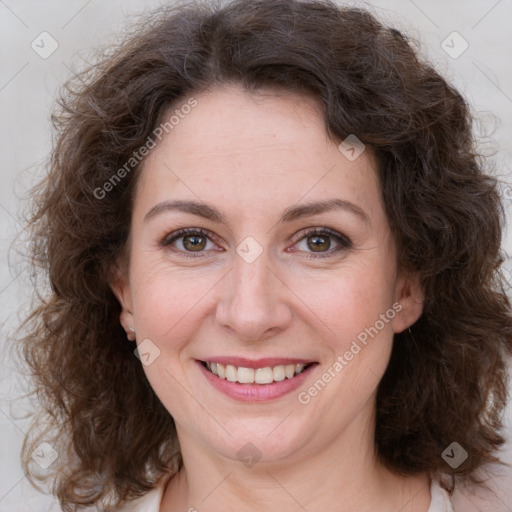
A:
x: 319, y: 244
x: 194, y: 242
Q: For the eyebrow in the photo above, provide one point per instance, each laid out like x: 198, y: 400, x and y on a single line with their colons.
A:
x: 290, y: 214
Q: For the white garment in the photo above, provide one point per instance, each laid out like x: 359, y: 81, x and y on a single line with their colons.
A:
x: 439, y: 499
x: 150, y: 502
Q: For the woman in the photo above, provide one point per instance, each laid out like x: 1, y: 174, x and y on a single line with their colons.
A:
x: 274, y: 261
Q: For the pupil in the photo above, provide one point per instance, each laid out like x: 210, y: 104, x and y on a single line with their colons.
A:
x: 193, y: 242
x: 319, y: 243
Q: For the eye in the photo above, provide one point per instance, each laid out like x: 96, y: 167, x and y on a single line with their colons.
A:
x: 189, y: 241
x: 319, y: 242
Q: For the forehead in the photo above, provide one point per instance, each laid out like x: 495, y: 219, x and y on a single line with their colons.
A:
x: 229, y: 122
x: 267, y: 144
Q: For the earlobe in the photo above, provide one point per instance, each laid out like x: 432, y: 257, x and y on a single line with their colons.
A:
x: 410, y: 296
x: 120, y: 286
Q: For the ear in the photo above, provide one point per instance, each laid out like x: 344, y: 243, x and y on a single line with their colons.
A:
x: 120, y: 286
x: 410, y: 296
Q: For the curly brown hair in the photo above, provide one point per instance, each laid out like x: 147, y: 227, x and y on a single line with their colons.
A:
x: 446, y: 379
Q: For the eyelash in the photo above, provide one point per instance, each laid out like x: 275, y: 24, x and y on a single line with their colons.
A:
x: 344, y: 242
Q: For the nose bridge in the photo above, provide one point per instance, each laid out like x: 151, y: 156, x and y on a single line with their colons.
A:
x: 251, y: 305
x: 252, y: 281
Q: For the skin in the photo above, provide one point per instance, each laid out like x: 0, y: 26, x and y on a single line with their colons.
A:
x: 252, y: 155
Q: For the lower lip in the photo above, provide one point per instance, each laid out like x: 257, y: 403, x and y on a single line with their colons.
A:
x: 256, y: 392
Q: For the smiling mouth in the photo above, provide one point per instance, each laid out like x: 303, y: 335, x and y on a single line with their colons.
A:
x: 266, y: 375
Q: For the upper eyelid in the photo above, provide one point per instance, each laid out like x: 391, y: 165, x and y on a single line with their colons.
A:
x: 179, y: 233
x: 183, y: 232
x: 321, y: 230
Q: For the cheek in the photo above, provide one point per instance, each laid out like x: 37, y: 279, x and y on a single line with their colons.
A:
x: 167, y: 306
x: 165, y: 300
x: 351, y: 304
x: 359, y: 340
x: 357, y: 311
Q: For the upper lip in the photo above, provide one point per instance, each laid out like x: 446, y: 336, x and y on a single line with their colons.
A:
x: 256, y: 363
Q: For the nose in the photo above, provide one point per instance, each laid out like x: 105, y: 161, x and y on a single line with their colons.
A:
x: 253, y: 305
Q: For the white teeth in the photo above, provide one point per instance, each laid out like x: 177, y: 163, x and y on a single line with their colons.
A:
x: 278, y: 372
x: 231, y: 373
x: 245, y: 375
x: 265, y: 375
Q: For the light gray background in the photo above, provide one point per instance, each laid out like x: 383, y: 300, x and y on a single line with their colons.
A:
x: 28, y: 87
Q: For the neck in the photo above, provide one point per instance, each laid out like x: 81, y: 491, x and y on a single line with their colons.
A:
x: 345, y: 471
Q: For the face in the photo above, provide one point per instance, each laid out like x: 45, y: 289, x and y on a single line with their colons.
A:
x: 261, y: 278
